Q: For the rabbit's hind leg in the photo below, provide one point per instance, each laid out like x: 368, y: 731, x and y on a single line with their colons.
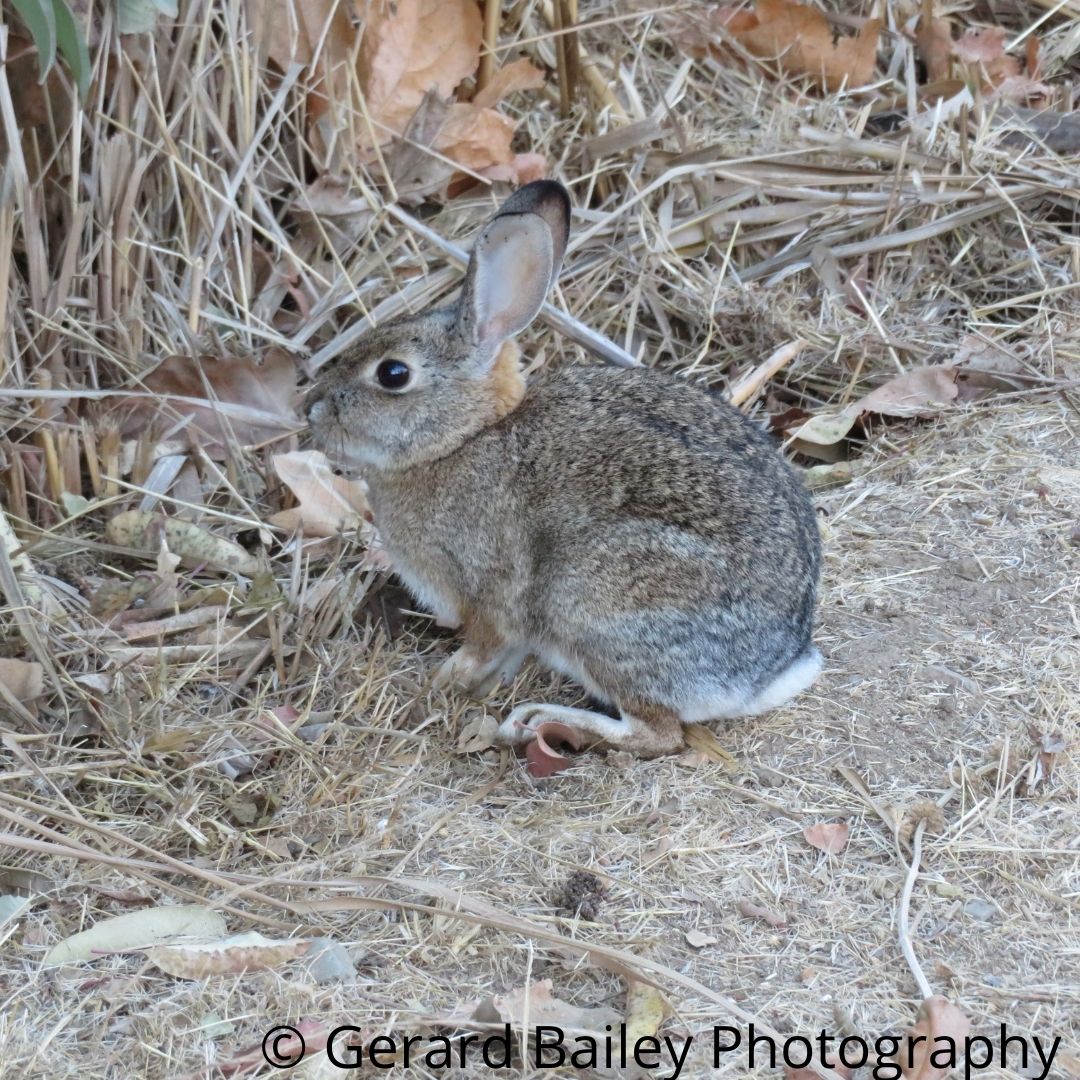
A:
x: 648, y: 731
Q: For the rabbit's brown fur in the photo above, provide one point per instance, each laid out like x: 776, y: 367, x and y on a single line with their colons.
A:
x: 629, y: 529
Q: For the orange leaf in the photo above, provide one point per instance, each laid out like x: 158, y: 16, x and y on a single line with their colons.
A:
x: 831, y: 839
x: 920, y: 1058
x: 509, y: 79
x: 934, y: 39
x: 800, y: 39
x: 298, y: 31
x: 411, y: 47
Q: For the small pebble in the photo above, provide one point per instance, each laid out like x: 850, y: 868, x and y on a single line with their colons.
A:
x: 980, y: 909
x: 328, y: 961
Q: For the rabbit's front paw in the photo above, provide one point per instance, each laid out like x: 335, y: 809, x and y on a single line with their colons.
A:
x: 468, y: 671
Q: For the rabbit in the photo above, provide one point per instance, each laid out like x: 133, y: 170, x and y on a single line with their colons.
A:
x: 630, y: 530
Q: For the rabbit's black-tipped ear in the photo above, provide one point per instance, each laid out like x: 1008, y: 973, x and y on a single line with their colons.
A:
x: 514, y: 263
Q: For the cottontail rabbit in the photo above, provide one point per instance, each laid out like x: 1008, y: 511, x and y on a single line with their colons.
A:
x: 632, y: 531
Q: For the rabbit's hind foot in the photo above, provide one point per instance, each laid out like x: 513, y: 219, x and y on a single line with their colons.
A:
x: 661, y: 733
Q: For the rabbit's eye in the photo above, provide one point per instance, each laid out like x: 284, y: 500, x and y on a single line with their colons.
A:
x: 392, y: 374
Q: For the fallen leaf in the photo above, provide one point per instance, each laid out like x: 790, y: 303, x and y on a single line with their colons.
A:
x: 755, y: 911
x: 329, y: 504
x: 298, y: 31
x: 136, y: 930
x: 801, y: 41
x: 478, y: 735
x: 934, y: 40
x: 938, y: 1019
x: 24, y: 679
x: 12, y: 908
x: 697, y: 940
x: 919, y: 392
x: 984, y: 48
x: 145, y: 530
x: 700, y: 738
x: 1047, y: 748
x: 831, y: 839
x: 140, y: 16
x: 410, y: 47
x: 286, y: 1049
x: 537, y: 1002
x: 509, y: 79
x: 645, y: 1011
x: 542, y: 759
x: 832, y: 475
x: 227, y: 956
x: 328, y: 213
x: 216, y: 401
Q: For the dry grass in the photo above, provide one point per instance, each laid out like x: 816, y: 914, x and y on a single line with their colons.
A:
x: 722, y: 215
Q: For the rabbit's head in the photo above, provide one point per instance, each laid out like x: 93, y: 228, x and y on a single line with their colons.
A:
x: 416, y: 388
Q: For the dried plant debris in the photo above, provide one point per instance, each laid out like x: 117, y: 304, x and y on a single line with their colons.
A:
x: 215, y: 698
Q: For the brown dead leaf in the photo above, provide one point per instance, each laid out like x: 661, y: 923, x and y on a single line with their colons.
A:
x: 801, y: 41
x: 228, y: 399
x: 228, y: 956
x: 328, y: 213
x: 919, y: 392
x: 767, y: 915
x: 830, y: 838
x: 537, y: 1002
x: 920, y: 1059
x: 933, y: 37
x: 543, y: 760
x: 24, y: 679
x: 509, y: 79
x: 983, y: 48
x: 1047, y: 748
x: 303, y: 32
x: 411, y: 47
x: 329, y: 504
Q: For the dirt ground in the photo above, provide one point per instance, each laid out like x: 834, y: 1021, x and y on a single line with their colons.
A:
x: 949, y: 621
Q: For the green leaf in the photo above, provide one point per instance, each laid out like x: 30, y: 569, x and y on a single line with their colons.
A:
x: 136, y: 16
x: 41, y: 22
x: 71, y: 41
x: 166, y: 7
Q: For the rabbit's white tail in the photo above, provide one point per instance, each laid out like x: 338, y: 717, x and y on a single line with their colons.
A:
x: 793, y: 680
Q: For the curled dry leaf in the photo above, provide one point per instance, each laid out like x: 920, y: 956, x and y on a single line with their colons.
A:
x: 920, y: 392
x: 145, y: 531
x: 755, y: 911
x: 801, y: 41
x: 24, y: 679
x: 920, y: 1058
x: 830, y: 838
x: 136, y: 930
x: 228, y: 956
x: 698, y: 940
x: 216, y: 400
x: 542, y: 759
x: 700, y: 738
x: 478, y: 735
x: 329, y: 504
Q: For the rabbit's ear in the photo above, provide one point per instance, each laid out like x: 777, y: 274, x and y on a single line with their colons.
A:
x: 514, y: 263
